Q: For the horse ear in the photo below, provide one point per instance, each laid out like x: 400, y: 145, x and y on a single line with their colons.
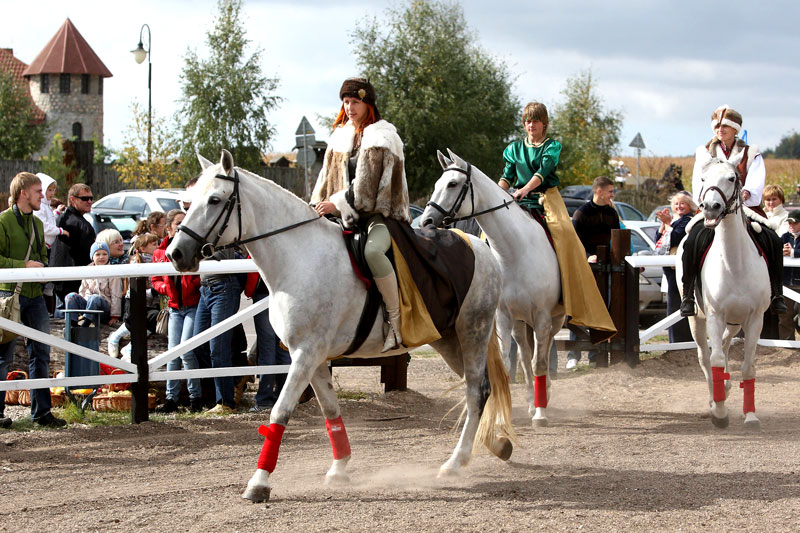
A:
x: 458, y: 161
x: 443, y: 159
x: 226, y: 161
x: 204, y: 163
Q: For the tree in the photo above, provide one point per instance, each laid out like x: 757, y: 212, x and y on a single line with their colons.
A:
x: 438, y: 87
x: 19, y: 135
x: 131, y: 164
x: 588, y: 133
x: 226, y: 99
x: 54, y: 165
x: 788, y: 147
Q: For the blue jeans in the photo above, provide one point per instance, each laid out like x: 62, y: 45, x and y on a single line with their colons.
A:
x: 33, y: 313
x: 576, y: 354
x: 181, y: 328
x: 269, y: 353
x: 218, y: 300
x: 94, y: 303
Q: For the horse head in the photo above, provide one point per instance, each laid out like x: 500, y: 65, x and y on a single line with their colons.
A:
x: 209, y: 222
x: 722, y: 190
x: 450, y: 191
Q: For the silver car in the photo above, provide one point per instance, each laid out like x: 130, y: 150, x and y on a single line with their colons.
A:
x: 643, y: 242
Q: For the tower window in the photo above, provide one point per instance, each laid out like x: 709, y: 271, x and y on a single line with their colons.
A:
x: 65, y: 79
x: 45, y: 87
x: 100, y: 85
x: 77, y: 131
x: 84, y: 84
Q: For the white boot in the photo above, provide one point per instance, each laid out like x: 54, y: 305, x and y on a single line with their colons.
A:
x: 113, y: 350
x: 387, y: 286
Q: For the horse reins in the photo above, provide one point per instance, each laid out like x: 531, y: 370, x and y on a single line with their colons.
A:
x: 208, y: 249
x: 449, y: 216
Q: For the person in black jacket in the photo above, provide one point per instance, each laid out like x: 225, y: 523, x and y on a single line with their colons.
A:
x: 79, y: 238
x: 791, y: 275
x: 673, y: 227
x: 593, y: 222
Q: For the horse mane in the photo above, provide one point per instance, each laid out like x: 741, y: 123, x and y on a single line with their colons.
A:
x: 274, y: 187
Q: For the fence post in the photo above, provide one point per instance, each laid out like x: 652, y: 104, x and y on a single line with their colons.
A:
x: 620, y: 247
x: 601, y: 278
x: 631, y: 315
x: 140, y: 388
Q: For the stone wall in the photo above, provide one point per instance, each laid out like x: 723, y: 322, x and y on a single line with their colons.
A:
x: 63, y: 110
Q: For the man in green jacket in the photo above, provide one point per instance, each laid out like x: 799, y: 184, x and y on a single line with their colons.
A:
x: 16, y: 225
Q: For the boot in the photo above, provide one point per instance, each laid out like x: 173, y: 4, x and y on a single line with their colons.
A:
x: 387, y: 286
x: 778, y: 305
x: 687, y: 304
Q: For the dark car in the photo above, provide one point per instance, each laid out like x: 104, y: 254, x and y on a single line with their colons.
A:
x: 583, y: 192
x: 119, y: 219
x: 625, y: 211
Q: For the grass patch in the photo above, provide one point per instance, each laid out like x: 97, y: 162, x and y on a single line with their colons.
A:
x: 425, y: 352
x: 348, y: 394
x: 73, y: 415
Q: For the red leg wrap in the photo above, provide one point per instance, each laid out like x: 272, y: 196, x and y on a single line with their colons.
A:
x: 749, y: 400
x: 718, y: 376
x: 540, y: 391
x: 338, y: 436
x: 272, y: 443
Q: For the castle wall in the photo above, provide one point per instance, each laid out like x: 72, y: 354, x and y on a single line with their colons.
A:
x: 63, y: 110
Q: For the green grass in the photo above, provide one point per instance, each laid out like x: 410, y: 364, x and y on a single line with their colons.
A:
x: 425, y: 352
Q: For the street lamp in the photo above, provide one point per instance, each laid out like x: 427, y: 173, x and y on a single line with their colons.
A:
x: 139, y: 54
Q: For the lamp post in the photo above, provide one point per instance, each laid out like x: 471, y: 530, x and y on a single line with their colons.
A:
x: 139, y: 54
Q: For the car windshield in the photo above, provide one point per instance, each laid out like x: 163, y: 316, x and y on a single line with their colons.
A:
x: 168, y: 204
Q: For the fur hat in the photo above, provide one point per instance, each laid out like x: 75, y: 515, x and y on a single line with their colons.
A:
x: 363, y: 90
x: 98, y: 246
x: 794, y: 216
x: 727, y: 116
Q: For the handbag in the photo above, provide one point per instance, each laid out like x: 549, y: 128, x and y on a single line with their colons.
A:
x: 162, y: 321
x: 9, y: 305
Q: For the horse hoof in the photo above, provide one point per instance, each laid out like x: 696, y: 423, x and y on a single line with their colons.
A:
x: 505, y: 448
x: 752, y: 425
x: 447, y: 474
x: 257, y: 494
x: 721, y: 423
x: 338, y: 480
x: 540, y: 422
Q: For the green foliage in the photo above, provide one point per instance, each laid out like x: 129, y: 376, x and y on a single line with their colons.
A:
x: 788, y: 147
x: 19, y: 136
x: 226, y: 99
x: 102, y: 153
x: 132, y: 165
x: 438, y: 87
x: 588, y: 133
x: 54, y: 166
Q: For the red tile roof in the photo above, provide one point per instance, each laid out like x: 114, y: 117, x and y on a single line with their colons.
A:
x: 67, y: 53
x: 9, y: 63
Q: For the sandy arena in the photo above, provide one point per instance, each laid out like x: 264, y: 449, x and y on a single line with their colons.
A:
x: 628, y: 450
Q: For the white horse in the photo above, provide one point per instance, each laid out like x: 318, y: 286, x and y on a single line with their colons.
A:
x: 315, y: 305
x: 529, y: 306
x: 733, y: 293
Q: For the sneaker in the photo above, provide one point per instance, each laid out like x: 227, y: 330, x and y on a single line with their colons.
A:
x: 261, y: 408
x: 113, y: 350
x: 51, y: 421
x: 221, y: 409
x: 170, y: 406
x: 196, y: 405
x: 571, y: 364
x: 5, y: 422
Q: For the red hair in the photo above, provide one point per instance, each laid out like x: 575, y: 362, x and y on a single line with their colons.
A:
x: 341, y: 119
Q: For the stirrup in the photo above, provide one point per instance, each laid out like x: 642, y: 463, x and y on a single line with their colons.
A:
x: 687, y: 307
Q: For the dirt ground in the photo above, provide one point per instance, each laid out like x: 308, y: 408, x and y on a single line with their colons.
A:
x: 628, y: 450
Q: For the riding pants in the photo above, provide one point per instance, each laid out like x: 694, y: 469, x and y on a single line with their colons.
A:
x: 378, y: 243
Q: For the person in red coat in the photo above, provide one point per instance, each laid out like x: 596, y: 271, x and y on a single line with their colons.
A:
x: 184, y: 294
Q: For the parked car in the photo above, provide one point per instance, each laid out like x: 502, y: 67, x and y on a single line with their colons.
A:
x: 643, y: 242
x: 119, y: 219
x: 141, y: 201
x: 652, y: 216
x: 626, y: 211
x: 577, y: 191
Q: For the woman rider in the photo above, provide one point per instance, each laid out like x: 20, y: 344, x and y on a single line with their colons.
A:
x: 530, y: 167
x: 365, y: 158
x: 726, y: 123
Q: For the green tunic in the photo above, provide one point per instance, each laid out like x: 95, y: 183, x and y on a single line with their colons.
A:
x: 524, y: 161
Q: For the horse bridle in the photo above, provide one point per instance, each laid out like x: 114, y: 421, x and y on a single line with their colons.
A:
x: 733, y: 203
x: 449, y: 215
x: 208, y: 249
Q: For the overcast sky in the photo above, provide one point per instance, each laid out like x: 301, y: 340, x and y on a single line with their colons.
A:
x: 665, y: 65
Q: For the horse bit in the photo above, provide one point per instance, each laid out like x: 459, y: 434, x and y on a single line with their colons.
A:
x: 208, y: 249
x: 449, y: 216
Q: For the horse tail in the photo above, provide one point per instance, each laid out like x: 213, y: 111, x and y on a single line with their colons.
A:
x: 495, y: 430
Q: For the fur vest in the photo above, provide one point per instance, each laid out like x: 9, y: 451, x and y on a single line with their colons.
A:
x: 714, y: 147
x: 379, y: 185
